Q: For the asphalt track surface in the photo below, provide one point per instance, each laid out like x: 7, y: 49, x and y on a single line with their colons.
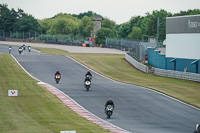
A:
x: 137, y: 109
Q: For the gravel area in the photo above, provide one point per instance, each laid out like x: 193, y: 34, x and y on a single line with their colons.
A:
x: 71, y: 49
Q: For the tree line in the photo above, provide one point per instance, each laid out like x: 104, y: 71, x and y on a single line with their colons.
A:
x: 71, y: 24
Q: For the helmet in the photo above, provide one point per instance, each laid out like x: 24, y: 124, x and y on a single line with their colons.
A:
x: 88, y: 70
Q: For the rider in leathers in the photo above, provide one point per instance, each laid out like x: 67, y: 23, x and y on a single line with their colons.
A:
x: 109, y: 102
x: 57, y: 73
x: 88, y: 73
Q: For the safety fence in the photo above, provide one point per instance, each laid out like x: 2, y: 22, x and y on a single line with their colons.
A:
x: 136, y: 64
x: 177, y: 74
x: 162, y: 72
x: 135, y: 48
x: 47, y: 38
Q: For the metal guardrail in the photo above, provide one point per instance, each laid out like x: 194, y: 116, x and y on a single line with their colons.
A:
x: 162, y: 72
x: 136, y: 64
x: 177, y: 74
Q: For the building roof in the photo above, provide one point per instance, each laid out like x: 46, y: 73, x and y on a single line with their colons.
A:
x: 183, y: 16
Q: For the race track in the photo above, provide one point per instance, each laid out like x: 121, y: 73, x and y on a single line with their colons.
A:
x: 138, y: 110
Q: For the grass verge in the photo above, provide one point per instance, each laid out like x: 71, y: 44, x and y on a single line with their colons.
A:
x: 35, y: 109
x: 115, y: 67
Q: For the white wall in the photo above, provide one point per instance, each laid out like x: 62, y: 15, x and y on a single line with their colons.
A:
x: 183, y: 45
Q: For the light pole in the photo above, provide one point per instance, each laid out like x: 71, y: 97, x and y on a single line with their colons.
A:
x: 157, y: 29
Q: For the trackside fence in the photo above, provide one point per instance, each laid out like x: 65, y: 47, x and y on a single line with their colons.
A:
x: 177, y: 74
x: 162, y: 72
x: 136, y: 64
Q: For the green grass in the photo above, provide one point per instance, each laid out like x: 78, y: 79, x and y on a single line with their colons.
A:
x: 115, y: 67
x: 35, y: 110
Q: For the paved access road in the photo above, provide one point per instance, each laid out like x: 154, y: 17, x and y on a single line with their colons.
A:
x: 138, y: 110
x: 69, y: 48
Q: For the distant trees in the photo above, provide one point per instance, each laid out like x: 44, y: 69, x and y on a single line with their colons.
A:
x: 45, y: 25
x: 11, y: 20
x: 103, y: 33
x: 147, y: 25
x: 107, y: 23
x: 88, y: 14
x: 63, y: 24
x: 188, y: 12
x: 26, y: 23
x: 108, y: 29
x: 136, y: 33
x: 124, y: 29
x: 85, y: 26
x: 82, y: 24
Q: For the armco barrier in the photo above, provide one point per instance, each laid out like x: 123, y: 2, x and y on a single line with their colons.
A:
x: 177, y: 74
x: 136, y: 64
x: 163, y: 72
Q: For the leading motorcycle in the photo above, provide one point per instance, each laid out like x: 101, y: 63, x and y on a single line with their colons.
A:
x: 87, y: 85
x: 20, y: 50
x: 109, y: 110
x: 197, y: 129
x: 57, y: 78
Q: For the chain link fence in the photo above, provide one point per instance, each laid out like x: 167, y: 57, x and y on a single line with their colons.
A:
x: 38, y: 37
x: 136, y: 49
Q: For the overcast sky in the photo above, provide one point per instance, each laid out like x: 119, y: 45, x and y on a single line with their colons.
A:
x: 119, y: 11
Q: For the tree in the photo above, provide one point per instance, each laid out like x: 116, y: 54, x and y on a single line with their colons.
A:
x: 45, y: 25
x: 135, y: 34
x: 103, y: 33
x: 188, y: 12
x: 107, y: 23
x: 63, y: 24
x: 88, y: 14
x: 124, y: 30
x: 7, y: 18
x: 85, y: 26
x: 26, y: 23
x: 149, y: 24
x: 134, y: 21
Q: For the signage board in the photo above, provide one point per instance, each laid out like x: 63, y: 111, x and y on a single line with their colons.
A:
x: 12, y: 92
x: 183, y: 24
x: 67, y: 131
